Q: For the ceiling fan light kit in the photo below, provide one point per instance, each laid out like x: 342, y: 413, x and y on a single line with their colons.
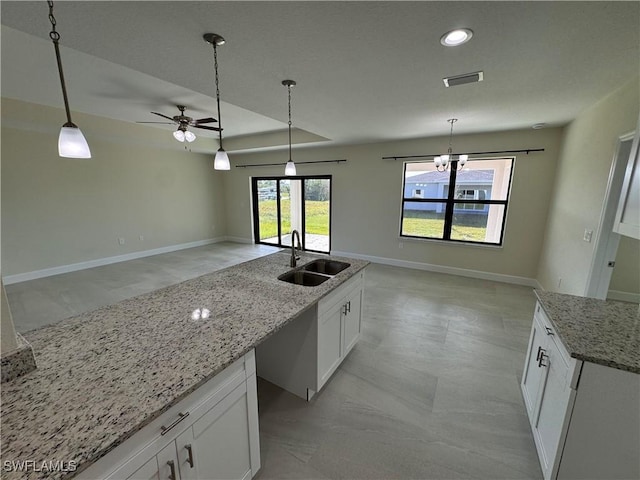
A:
x: 71, y: 141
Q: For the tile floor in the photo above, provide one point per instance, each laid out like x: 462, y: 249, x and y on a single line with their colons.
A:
x: 431, y: 391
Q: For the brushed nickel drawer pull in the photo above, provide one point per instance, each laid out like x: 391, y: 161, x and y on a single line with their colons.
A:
x: 190, y: 450
x: 538, y: 355
x: 181, y: 417
x: 172, y: 466
x: 543, y: 356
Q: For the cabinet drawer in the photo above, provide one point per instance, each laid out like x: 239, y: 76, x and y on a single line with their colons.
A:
x: 337, y: 296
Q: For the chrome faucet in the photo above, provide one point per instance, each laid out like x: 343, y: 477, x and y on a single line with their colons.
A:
x: 294, y: 259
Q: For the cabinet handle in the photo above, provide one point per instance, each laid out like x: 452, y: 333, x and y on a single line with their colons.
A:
x: 538, y: 355
x: 542, y: 358
x: 349, y: 306
x: 172, y: 466
x: 344, y: 309
x: 190, y: 450
x: 549, y: 331
x: 181, y: 417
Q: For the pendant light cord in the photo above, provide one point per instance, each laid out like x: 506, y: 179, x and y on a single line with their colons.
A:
x: 289, y: 90
x: 451, y: 121
x: 55, y: 38
x: 215, y: 67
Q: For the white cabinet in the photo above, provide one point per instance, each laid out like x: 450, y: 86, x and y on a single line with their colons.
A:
x: 548, y: 390
x: 584, y: 417
x: 302, y: 356
x: 339, y: 319
x: 211, y: 434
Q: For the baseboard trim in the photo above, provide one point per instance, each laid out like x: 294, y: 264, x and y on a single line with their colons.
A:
x: 74, y: 267
x: 463, y: 272
x: 623, y: 296
x: 238, y: 240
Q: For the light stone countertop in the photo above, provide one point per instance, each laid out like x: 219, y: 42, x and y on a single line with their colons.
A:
x: 105, y: 374
x: 597, y: 331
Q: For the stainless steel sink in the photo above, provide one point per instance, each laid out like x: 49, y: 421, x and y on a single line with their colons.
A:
x: 301, y: 277
x: 326, y: 267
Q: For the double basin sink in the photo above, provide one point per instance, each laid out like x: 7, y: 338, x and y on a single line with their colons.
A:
x: 314, y: 273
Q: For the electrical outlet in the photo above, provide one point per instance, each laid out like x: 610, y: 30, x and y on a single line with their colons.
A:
x: 400, y: 245
x: 587, y: 235
x: 121, y: 240
x: 141, y: 237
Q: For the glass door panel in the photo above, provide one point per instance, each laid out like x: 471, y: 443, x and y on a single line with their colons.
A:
x: 266, y: 195
x: 317, y: 214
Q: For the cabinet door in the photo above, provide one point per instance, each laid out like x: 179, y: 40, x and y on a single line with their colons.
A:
x: 556, y: 399
x: 533, y: 374
x: 220, y: 443
x: 149, y: 471
x: 186, y: 455
x: 329, y: 343
x: 168, y: 463
x: 352, y: 319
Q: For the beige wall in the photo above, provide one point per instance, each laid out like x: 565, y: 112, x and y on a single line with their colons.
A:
x: 581, y: 182
x: 59, y: 211
x: 367, y: 199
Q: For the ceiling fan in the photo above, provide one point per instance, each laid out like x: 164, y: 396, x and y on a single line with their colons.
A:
x: 183, y: 122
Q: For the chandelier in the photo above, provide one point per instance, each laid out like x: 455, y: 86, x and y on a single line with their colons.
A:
x: 442, y: 162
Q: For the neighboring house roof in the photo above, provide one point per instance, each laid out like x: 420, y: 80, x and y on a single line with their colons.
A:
x: 466, y: 176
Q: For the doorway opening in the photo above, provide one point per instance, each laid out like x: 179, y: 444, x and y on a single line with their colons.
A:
x: 283, y: 204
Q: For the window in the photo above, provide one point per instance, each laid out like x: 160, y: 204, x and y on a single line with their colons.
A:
x: 468, y: 205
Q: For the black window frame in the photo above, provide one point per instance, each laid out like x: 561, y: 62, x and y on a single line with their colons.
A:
x: 450, y: 201
x: 277, y: 178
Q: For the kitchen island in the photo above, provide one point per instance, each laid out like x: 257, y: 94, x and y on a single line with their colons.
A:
x: 104, y: 375
x: 581, y: 387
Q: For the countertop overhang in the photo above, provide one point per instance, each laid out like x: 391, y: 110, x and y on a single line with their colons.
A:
x: 606, y: 332
x: 105, y: 374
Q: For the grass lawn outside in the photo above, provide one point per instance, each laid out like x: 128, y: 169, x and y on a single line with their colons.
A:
x: 316, y: 217
x: 431, y: 225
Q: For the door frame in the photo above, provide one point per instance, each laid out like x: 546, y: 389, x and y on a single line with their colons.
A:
x: 607, y: 241
x: 277, y: 178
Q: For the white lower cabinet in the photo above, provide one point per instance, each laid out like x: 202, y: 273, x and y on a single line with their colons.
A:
x: 302, y: 356
x: 584, y: 417
x: 212, y: 434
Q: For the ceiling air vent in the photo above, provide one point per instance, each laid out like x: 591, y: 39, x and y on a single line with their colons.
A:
x: 462, y: 79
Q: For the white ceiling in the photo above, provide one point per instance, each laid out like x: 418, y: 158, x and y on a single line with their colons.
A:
x: 366, y: 71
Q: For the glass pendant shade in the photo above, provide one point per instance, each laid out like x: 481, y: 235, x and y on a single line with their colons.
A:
x: 290, y: 168
x: 463, y: 159
x: 189, y: 136
x: 179, y: 135
x: 221, y: 161
x: 71, y: 143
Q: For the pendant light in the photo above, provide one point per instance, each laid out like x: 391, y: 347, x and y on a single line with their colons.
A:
x: 442, y: 162
x: 71, y: 142
x: 221, y: 161
x: 290, y: 168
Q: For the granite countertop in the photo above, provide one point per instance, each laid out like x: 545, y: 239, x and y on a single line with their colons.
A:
x: 606, y: 332
x: 105, y: 374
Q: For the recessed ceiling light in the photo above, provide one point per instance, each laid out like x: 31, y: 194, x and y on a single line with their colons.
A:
x: 456, y: 37
x: 538, y: 126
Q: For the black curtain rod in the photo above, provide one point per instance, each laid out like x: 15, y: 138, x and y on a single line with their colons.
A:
x: 297, y: 163
x: 467, y: 153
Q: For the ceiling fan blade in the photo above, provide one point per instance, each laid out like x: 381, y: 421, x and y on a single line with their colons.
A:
x: 163, y: 116
x: 215, y: 129
x: 164, y: 123
x: 205, y: 120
